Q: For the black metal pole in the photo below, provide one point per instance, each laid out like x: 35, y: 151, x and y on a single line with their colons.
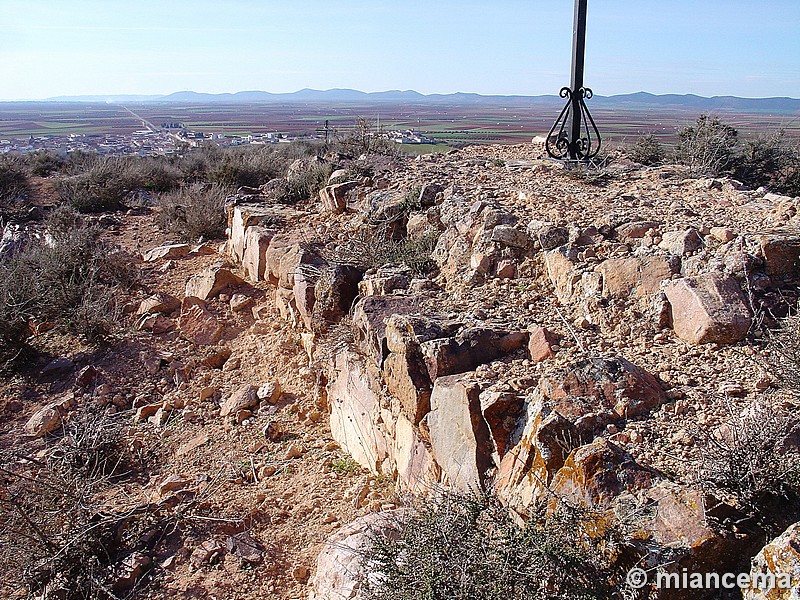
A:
x: 578, y: 57
x: 574, y: 135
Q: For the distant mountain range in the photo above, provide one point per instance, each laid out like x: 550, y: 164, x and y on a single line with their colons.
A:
x: 637, y: 100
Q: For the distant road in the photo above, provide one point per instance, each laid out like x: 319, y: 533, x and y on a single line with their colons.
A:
x: 152, y: 127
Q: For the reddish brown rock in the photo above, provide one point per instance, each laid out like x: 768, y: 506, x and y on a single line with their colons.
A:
x: 541, y: 343
x: 211, y: 282
x: 469, y: 348
x: 594, y: 392
x: 595, y: 474
x: 708, y: 308
x: 244, y: 397
x: 197, y: 324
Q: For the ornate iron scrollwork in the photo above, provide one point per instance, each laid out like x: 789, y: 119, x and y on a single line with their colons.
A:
x: 586, y: 145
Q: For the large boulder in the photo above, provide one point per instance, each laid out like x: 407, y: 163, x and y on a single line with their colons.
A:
x: 340, y: 565
x: 356, y: 418
x: 242, y: 217
x: 416, y: 470
x: 597, y: 473
x: 211, y: 281
x: 708, y: 308
x: 594, y: 392
x: 460, y: 440
x: 254, y: 253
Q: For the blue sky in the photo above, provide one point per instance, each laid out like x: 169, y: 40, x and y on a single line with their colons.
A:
x: 706, y: 47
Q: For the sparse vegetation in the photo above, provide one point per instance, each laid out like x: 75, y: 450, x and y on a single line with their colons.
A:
x: 648, y: 150
x: 194, y: 211
x: 468, y: 547
x: 369, y: 248
x: 709, y: 147
x: 103, y: 187
x: 70, y: 281
x: 13, y: 182
x: 345, y: 466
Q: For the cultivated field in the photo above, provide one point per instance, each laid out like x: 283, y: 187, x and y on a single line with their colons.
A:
x: 449, y: 123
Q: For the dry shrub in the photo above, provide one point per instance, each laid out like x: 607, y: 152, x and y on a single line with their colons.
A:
x: 194, y: 211
x: 103, y: 187
x: 648, y: 150
x: 469, y: 546
x: 369, y: 248
x: 754, y: 455
x: 14, y: 183
x: 709, y: 147
x: 68, y: 278
x: 59, y: 538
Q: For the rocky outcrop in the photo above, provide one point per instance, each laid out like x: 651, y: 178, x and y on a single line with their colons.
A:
x: 776, y: 568
x: 708, y: 308
x: 340, y: 564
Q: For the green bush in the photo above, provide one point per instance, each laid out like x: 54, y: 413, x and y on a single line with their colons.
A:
x: 709, y: 148
x: 648, y: 150
x: 194, y: 211
x: 469, y: 547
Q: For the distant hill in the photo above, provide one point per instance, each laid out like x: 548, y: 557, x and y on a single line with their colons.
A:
x: 638, y: 100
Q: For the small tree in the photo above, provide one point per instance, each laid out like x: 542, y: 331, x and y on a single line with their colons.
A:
x: 709, y: 147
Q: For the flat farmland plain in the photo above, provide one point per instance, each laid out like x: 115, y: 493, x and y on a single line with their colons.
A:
x: 447, y: 123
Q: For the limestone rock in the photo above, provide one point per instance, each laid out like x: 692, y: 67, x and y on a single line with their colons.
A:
x: 781, y: 256
x: 356, y: 413
x: 340, y: 564
x: 459, y: 436
x: 469, y: 348
x: 334, y: 197
x: 633, y: 275
x: 369, y: 322
x: 510, y: 236
x: 708, y: 308
x: 168, y: 252
x: 211, y: 282
x: 681, y: 243
x: 541, y: 343
x: 269, y: 392
x: 561, y: 267
x: 46, y: 420
x: 254, y: 252
x: 158, y: 303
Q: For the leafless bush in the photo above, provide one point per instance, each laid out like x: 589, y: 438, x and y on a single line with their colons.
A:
x: 754, y: 455
x: 68, y: 280
x: 369, y: 248
x: 468, y: 546
x: 709, y: 147
x: 58, y: 537
x: 103, y: 187
x: 784, y: 357
x: 194, y: 211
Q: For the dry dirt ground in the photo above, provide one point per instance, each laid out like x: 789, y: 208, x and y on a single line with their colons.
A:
x: 289, y: 492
